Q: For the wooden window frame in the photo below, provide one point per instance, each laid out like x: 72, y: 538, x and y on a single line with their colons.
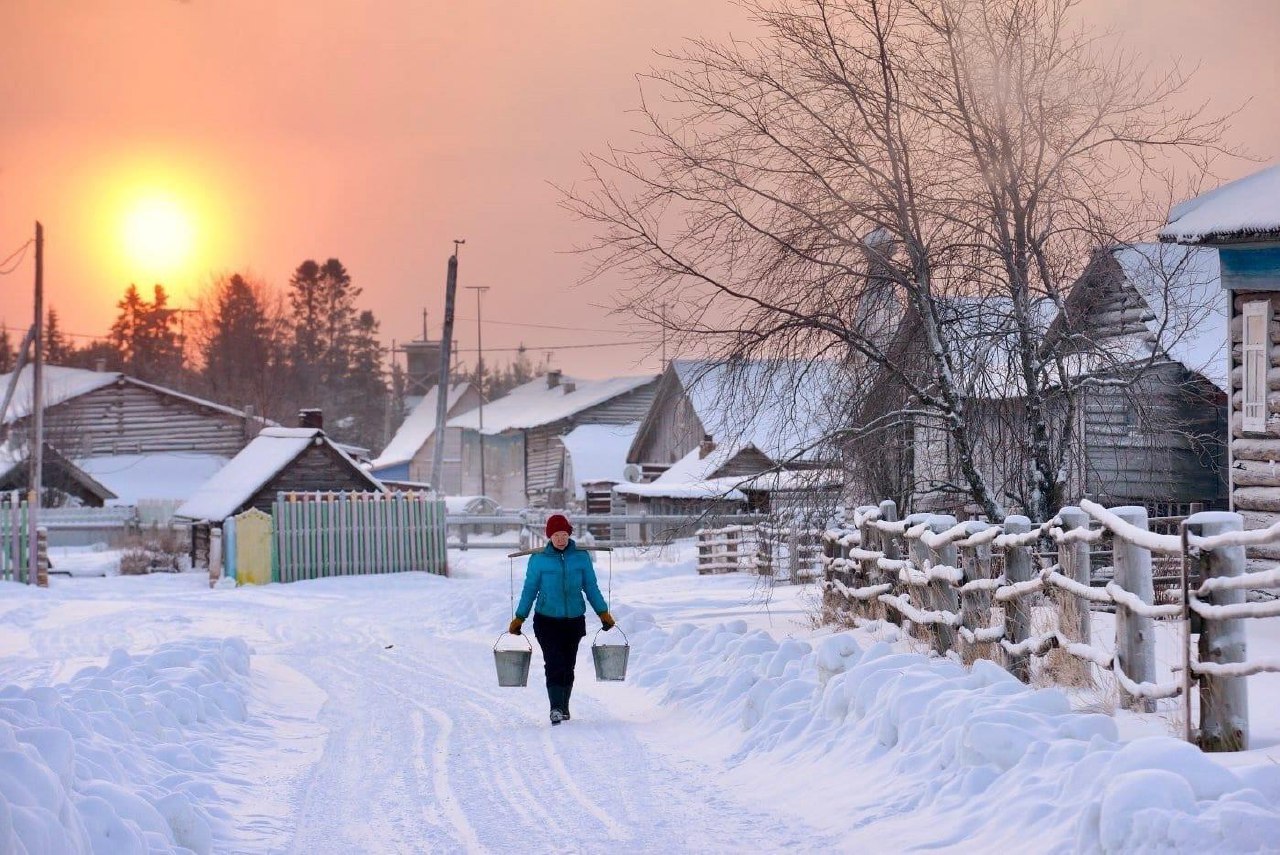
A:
x: 1255, y: 360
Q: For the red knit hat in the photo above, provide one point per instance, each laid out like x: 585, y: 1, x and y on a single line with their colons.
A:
x: 558, y: 522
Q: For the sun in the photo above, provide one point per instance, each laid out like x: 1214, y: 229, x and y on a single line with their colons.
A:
x: 158, y: 235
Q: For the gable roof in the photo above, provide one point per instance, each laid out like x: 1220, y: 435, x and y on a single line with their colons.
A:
x: 781, y: 407
x: 693, y: 477
x: 62, y: 384
x: 598, y: 452
x: 534, y: 404
x: 257, y: 463
x: 1182, y: 287
x: 418, y: 427
x: 14, y: 462
x: 1246, y: 208
x: 153, y: 475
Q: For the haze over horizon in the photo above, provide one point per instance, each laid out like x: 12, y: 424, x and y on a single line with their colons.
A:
x: 259, y: 135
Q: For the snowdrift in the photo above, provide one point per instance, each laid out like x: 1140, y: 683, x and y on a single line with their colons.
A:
x: 910, y: 751
x: 119, y: 758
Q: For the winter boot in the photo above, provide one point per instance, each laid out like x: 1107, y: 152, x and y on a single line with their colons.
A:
x: 556, y: 717
x: 556, y: 695
x: 564, y: 707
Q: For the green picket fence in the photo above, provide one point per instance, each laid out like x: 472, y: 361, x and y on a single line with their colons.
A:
x: 14, y: 538
x: 345, y: 534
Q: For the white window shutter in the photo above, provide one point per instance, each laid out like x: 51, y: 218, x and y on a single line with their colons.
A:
x: 1257, y: 336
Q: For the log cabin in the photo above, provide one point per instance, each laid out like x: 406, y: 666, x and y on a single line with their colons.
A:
x: 1241, y: 221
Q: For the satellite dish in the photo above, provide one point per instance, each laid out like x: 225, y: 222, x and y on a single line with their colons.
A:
x: 632, y: 473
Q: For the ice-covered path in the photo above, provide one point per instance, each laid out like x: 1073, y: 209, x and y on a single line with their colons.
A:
x: 375, y: 724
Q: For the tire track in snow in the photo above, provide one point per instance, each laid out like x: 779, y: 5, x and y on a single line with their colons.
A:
x: 439, y: 773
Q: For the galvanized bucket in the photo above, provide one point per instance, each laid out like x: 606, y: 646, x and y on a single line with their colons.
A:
x: 611, y: 659
x: 512, y: 665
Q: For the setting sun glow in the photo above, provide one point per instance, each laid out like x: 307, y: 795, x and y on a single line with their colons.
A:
x: 158, y: 235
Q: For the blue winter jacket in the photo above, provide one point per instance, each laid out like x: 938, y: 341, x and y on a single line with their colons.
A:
x: 558, y: 580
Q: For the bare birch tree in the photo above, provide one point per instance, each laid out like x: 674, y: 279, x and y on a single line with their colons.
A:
x: 871, y: 172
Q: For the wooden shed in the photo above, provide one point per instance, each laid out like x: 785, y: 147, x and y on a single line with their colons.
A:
x: 278, y: 460
x: 1241, y: 220
x: 409, y: 455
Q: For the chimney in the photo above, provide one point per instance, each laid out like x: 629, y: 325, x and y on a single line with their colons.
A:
x: 705, y: 447
x: 311, y: 419
x: 553, y: 378
x: 100, y: 364
x: 570, y: 386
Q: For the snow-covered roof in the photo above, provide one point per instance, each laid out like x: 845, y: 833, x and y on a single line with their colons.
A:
x: 1244, y: 208
x: 782, y: 407
x: 417, y: 427
x: 534, y: 404
x: 690, y: 477
x: 1181, y: 285
x: 257, y: 463
x: 598, y: 452
x: 61, y: 384
x: 172, y: 475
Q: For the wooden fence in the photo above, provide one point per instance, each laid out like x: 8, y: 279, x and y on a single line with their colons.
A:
x: 971, y: 589
x: 791, y: 551
x: 15, y: 538
x: 343, y: 534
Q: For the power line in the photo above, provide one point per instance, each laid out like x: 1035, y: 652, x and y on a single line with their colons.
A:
x: 22, y: 249
x: 545, y: 326
x: 557, y: 347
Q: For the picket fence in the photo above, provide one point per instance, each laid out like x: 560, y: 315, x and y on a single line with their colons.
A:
x: 972, y: 589
x: 322, y: 534
x: 15, y: 543
x: 787, y: 551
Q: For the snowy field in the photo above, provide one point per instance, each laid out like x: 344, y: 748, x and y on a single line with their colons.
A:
x: 151, y: 714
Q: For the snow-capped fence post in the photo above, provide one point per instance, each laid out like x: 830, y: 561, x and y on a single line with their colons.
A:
x: 1224, y: 699
x: 1017, y: 615
x: 892, y: 550
x: 873, y: 541
x: 1073, y: 610
x: 975, y: 600
x: 943, y: 596
x: 1135, y: 633
x: 917, y: 591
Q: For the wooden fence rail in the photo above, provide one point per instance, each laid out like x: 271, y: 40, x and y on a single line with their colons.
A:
x: 974, y: 589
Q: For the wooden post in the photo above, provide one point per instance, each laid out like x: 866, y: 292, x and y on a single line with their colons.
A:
x: 215, y: 556
x: 1135, y: 634
x: 1224, y: 701
x: 919, y: 594
x: 42, y: 557
x: 1073, y: 557
x: 1017, y: 615
x: 869, y: 572
x: 943, y: 595
x: 892, y: 550
x: 975, y: 606
x: 731, y: 537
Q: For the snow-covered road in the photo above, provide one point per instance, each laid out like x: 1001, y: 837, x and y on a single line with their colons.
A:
x: 363, y: 715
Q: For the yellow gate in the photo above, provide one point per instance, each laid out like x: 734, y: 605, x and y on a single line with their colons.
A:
x: 253, y: 548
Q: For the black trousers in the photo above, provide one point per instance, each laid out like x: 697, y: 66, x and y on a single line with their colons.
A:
x: 559, y: 638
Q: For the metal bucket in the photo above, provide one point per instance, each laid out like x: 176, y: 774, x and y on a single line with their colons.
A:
x: 512, y: 665
x: 611, y: 659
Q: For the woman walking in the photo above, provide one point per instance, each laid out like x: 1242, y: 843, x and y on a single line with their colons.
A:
x: 558, y: 577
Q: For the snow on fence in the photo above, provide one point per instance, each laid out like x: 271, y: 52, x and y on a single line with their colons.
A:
x: 968, y: 589
x: 343, y: 534
x: 790, y: 551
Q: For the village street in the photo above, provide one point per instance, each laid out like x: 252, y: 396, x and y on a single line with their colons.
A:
x: 362, y: 714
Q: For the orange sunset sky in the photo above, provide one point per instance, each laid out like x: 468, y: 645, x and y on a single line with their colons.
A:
x: 169, y: 141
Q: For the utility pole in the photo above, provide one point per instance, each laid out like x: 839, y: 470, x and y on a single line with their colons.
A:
x: 37, y: 416
x: 442, y: 388
x: 480, y: 289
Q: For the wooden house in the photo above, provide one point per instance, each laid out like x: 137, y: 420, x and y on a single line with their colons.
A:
x: 714, y: 427
x: 94, y: 413
x: 1145, y: 428
x: 409, y: 455
x: 277, y: 460
x: 1241, y: 221
x: 518, y: 458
